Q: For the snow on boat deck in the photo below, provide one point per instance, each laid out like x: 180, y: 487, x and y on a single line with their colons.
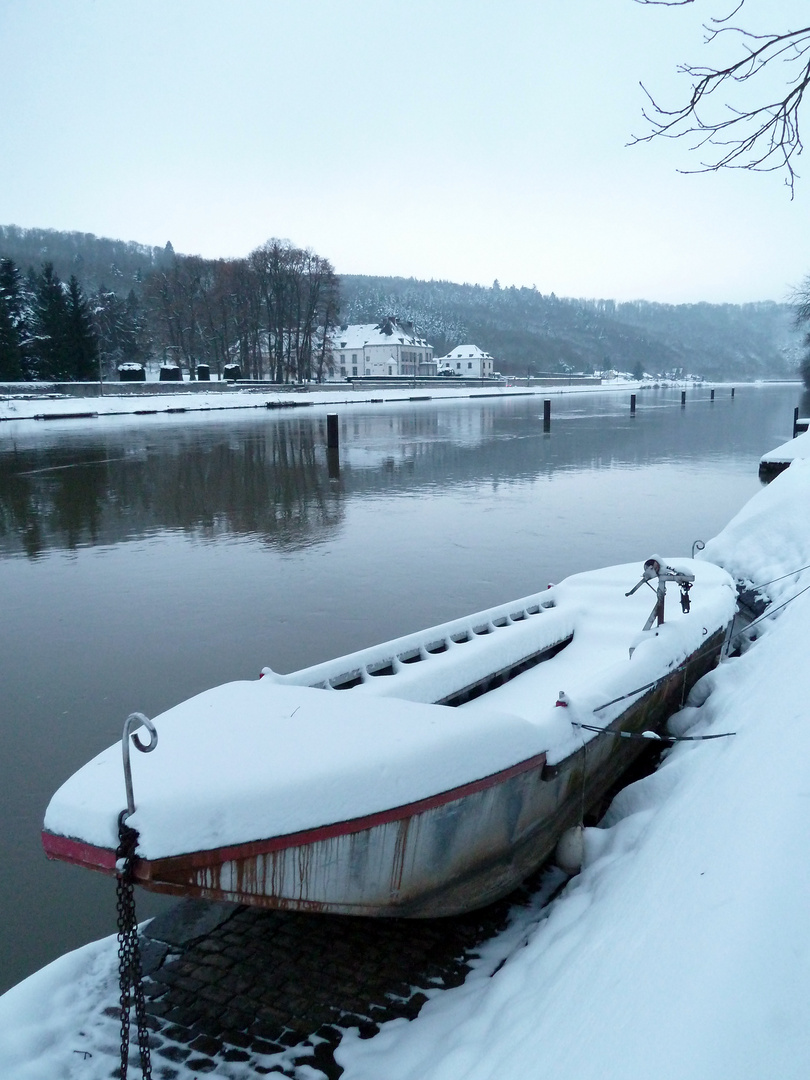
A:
x: 251, y: 760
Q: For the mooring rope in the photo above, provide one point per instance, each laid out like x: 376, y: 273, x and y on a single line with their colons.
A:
x: 651, y: 736
x: 782, y: 578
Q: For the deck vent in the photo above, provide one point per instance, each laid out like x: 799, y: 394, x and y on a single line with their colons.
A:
x: 517, y: 616
x: 436, y: 647
x: 481, y: 630
x: 386, y: 668
x: 460, y: 637
x: 347, y: 681
x: 413, y: 656
x: 533, y: 609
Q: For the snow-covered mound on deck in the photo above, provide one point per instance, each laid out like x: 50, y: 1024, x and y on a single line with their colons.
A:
x: 596, y: 667
x: 251, y: 760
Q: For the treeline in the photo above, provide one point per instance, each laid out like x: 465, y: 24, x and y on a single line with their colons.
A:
x: 271, y: 313
x: 46, y: 329
x: 531, y: 331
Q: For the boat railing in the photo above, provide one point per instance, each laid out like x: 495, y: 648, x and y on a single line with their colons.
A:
x: 438, y: 665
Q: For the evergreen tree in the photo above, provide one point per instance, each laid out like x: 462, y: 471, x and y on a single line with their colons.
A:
x: 81, y: 341
x: 49, y: 342
x: 12, y: 323
x: 120, y: 329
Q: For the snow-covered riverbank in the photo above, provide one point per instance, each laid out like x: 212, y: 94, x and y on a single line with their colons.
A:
x: 681, y: 951
x: 20, y: 407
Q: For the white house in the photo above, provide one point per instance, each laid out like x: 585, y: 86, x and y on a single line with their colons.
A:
x: 468, y: 361
x: 389, y: 347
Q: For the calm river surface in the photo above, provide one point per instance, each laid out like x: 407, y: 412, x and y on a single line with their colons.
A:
x: 145, y: 559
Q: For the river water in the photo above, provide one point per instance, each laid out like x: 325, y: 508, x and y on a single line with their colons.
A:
x: 145, y: 559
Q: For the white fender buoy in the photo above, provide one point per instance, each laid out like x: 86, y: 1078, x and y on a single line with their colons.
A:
x: 570, y: 851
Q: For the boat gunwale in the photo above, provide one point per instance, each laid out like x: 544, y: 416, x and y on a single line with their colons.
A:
x: 71, y: 849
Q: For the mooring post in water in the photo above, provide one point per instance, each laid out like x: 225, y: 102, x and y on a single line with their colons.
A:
x: 683, y: 398
x: 632, y: 404
x: 711, y: 398
x: 546, y: 415
x: 332, y: 433
x: 332, y: 446
x: 732, y: 391
x: 795, y: 421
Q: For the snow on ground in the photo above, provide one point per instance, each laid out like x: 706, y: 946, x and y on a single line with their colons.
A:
x: 22, y: 408
x: 768, y: 541
x: 682, y: 950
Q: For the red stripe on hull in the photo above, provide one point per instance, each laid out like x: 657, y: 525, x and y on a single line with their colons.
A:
x: 71, y: 850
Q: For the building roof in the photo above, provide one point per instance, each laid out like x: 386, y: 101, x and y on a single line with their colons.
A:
x: 466, y: 352
x: 387, y: 332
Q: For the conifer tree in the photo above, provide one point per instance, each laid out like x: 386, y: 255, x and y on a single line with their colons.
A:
x: 81, y: 343
x: 49, y: 341
x: 12, y: 323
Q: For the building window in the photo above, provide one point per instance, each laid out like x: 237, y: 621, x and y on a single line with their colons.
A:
x: 354, y: 357
x: 469, y: 365
x: 343, y: 372
x: 354, y: 370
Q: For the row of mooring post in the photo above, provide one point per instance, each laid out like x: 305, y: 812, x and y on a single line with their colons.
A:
x: 333, y: 431
x: 547, y: 407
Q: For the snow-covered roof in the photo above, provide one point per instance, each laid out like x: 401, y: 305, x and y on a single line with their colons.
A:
x: 360, y: 334
x: 466, y: 352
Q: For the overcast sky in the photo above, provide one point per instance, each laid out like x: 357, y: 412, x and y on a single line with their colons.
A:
x: 428, y: 138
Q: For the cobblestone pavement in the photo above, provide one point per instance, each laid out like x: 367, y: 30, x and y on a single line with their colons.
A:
x: 238, y: 992
x: 235, y: 991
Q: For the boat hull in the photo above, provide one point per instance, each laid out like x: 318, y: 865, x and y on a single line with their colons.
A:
x: 451, y: 853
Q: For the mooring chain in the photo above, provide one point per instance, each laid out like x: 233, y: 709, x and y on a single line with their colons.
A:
x: 129, y: 952
x: 130, y: 973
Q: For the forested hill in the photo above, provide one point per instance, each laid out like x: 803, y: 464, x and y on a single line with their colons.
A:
x: 524, y: 329
x: 95, y: 260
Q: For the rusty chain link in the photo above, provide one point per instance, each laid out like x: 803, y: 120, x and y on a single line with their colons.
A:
x: 129, y: 953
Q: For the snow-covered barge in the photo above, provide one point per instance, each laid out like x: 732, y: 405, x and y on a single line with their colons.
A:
x: 426, y: 776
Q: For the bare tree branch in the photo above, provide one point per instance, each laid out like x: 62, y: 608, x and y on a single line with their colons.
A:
x: 763, y: 137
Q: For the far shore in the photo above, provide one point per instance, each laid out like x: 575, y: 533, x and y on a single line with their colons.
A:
x: 27, y: 401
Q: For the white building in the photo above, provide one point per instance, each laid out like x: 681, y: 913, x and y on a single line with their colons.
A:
x: 468, y: 361
x: 389, y: 347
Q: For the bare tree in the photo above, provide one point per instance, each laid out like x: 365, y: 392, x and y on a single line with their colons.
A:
x: 733, y: 115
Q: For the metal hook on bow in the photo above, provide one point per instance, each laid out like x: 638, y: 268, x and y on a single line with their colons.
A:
x: 135, y: 719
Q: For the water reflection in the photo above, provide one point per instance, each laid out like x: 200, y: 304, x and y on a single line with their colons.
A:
x: 269, y: 478
x: 268, y: 484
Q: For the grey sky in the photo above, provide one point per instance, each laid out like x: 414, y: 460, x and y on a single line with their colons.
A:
x: 434, y: 138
